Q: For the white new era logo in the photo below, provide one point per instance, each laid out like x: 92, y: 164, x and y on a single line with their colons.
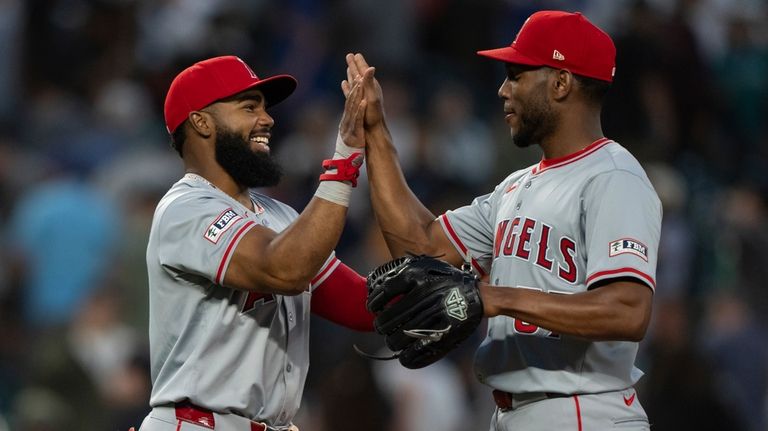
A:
x: 557, y: 56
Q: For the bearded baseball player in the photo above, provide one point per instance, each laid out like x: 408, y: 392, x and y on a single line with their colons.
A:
x: 568, y: 245
x: 233, y: 274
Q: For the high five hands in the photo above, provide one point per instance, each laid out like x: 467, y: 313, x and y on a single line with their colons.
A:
x: 350, y: 127
x: 358, y: 68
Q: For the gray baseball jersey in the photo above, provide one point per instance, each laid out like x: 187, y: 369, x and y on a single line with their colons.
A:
x: 560, y: 227
x: 226, y: 350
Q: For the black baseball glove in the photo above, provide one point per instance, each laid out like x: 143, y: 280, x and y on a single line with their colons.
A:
x: 424, y: 307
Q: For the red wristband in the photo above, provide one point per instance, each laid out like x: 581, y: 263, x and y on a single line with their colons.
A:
x: 346, y: 169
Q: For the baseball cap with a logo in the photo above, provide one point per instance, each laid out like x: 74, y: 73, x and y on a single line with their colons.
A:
x: 561, y: 40
x: 217, y: 78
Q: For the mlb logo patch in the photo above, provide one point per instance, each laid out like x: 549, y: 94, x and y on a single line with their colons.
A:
x: 628, y: 245
x: 223, y: 222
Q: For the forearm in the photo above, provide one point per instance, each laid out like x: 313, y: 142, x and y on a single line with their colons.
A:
x: 284, y: 263
x: 403, y: 219
x: 296, y: 254
x: 315, y: 233
x: 619, y: 312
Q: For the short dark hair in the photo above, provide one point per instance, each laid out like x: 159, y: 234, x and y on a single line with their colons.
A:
x: 594, y: 89
x: 178, y: 137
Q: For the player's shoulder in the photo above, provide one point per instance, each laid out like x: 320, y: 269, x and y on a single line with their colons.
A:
x: 188, y: 199
x: 615, y: 159
x: 186, y: 191
x: 619, y: 157
x: 617, y: 165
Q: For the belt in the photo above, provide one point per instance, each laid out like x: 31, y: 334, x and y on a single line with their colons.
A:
x: 508, y: 401
x: 189, y: 412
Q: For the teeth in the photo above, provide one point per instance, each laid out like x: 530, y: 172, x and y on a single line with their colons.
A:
x: 260, y: 139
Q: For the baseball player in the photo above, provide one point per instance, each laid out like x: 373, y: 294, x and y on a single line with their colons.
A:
x: 568, y: 245
x: 233, y: 274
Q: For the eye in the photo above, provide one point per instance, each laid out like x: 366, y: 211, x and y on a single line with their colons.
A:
x: 250, y: 107
x: 514, y: 75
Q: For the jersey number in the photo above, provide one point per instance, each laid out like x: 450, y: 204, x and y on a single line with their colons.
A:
x: 252, y: 299
x: 525, y: 328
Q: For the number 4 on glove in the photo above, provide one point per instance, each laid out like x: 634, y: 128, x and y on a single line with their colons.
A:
x: 424, y: 307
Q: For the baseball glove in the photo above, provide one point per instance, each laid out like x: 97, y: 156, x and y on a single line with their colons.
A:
x: 424, y: 307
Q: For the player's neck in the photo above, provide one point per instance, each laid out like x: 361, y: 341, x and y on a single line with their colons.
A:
x: 562, y: 148
x: 237, y: 191
x: 224, y: 182
x: 571, y: 138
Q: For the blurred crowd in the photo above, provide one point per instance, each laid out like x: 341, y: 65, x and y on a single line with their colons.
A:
x: 84, y: 158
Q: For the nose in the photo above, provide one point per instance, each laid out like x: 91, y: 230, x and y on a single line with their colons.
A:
x: 266, y: 120
x: 504, y: 89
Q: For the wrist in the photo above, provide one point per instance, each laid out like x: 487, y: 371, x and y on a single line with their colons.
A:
x: 378, y: 131
x: 338, y: 192
x: 343, y: 151
x: 378, y: 140
x: 487, y: 296
x: 341, y: 173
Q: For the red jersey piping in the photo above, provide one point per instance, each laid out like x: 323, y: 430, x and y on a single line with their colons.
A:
x: 230, y: 247
x: 457, y: 241
x: 546, y: 164
x: 578, y: 411
x: 643, y: 275
x: 320, y: 277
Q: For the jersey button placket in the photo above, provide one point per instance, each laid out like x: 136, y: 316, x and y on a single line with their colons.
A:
x: 519, y: 203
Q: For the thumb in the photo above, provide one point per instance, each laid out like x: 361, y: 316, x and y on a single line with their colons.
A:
x: 368, y: 78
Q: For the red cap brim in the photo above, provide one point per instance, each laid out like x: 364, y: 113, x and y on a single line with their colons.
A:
x: 509, y: 54
x: 275, y: 88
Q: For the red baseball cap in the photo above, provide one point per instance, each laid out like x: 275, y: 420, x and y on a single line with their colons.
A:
x: 561, y: 40
x: 217, y: 78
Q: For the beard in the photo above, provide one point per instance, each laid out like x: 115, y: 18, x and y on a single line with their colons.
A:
x: 247, y: 167
x: 536, y: 123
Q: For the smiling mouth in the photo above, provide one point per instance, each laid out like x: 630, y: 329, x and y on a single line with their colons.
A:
x: 261, y: 140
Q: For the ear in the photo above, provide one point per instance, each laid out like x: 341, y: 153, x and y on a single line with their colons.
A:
x: 562, y: 84
x: 202, y: 123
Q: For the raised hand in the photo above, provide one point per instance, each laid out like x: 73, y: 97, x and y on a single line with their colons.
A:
x: 357, y: 67
x: 351, y: 125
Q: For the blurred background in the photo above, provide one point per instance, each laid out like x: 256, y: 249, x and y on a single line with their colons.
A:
x: 84, y: 158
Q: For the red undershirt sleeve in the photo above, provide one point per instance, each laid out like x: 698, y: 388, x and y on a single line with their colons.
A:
x: 341, y: 298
